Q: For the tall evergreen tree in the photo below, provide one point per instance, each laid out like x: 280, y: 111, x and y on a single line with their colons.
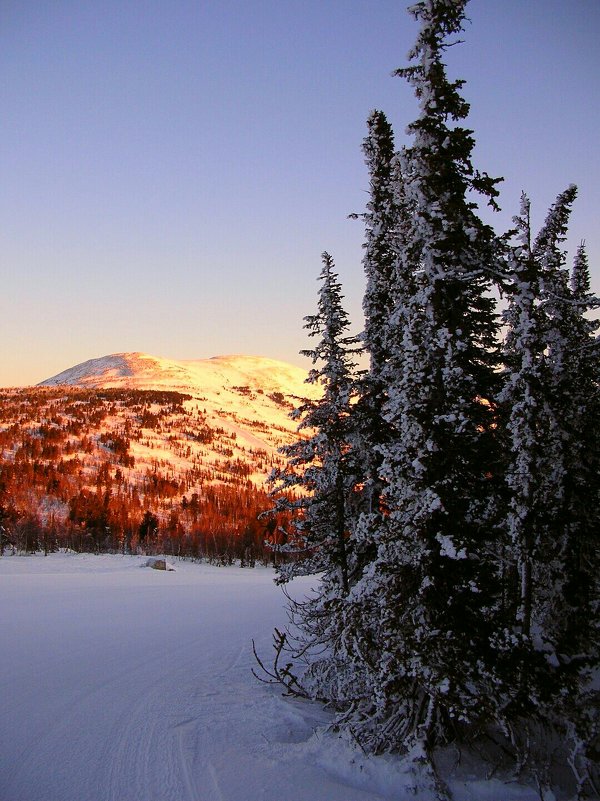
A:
x: 572, y: 621
x: 535, y: 353
x: 382, y: 232
x: 430, y: 579
x: 525, y: 425
x: 381, y: 239
x: 322, y: 467
x: 523, y: 346
x: 351, y: 685
x: 580, y: 622
x: 557, y: 396
x: 551, y: 398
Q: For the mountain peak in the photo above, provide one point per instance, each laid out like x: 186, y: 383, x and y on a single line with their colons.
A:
x: 219, y: 380
x: 97, y: 372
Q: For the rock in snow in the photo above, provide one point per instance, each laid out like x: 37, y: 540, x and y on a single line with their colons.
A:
x: 159, y: 564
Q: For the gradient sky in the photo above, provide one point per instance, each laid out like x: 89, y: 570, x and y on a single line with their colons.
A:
x: 170, y: 170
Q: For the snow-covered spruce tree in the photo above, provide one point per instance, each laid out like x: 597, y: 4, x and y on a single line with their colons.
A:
x: 382, y: 231
x: 385, y: 222
x: 322, y: 467
x: 431, y: 586
x: 525, y: 425
x: 381, y: 239
x: 575, y: 366
x: 572, y: 613
x: 560, y: 397
x: 535, y: 353
x: 581, y: 624
x: 551, y: 401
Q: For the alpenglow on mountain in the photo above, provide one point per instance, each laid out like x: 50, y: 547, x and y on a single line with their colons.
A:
x: 98, y: 449
x: 143, y: 371
x: 247, y: 399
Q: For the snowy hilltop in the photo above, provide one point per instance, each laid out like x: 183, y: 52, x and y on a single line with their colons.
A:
x: 195, y: 376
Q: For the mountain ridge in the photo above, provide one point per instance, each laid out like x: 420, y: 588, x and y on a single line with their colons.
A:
x: 144, y: 371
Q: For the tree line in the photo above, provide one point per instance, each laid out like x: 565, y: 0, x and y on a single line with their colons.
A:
x: 450, y: 492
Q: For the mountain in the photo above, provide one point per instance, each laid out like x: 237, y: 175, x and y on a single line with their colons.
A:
x: 250, y: 396
x: 142, y: 371
x: 98, y: 446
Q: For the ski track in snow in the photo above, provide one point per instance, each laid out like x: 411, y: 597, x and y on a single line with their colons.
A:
x: 123, y: 684
x: 135, y: 685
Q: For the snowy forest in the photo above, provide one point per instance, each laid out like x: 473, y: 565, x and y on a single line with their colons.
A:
x: 128, y: 470
x: 448, y: 494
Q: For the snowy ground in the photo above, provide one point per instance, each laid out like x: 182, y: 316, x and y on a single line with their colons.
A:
x: 119, y: 683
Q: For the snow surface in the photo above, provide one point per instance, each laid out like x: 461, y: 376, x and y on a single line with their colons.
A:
x: 121, y: 684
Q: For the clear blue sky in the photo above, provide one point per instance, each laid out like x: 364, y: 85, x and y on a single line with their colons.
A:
x: 170, y: 170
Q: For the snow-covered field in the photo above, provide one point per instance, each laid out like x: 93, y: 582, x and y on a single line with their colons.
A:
x: 119, y: 683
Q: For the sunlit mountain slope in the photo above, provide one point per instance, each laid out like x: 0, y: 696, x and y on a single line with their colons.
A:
x: 101, y: 444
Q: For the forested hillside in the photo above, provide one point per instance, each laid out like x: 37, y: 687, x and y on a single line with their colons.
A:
x: 118, y: 469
